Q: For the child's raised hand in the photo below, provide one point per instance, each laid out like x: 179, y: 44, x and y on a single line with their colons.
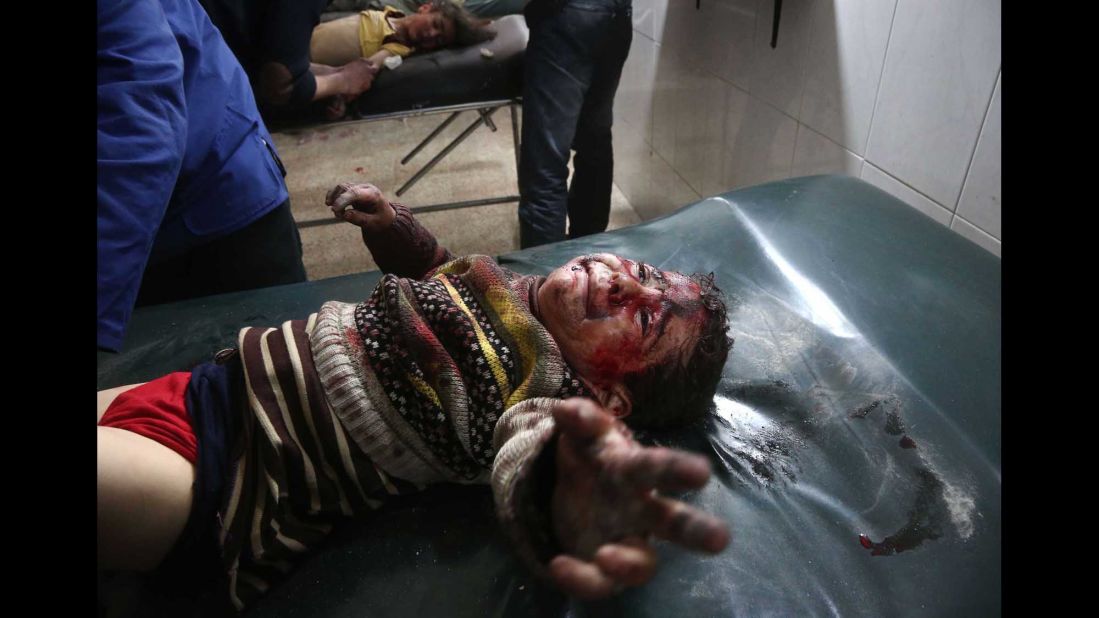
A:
x: 606, y: 505
x: 362, y: 205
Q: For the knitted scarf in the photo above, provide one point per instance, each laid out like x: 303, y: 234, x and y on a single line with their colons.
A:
x: 421, y: 372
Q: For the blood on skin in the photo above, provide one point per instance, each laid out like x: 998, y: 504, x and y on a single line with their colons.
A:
x: 681, y: 295
x: 626, y: 350
x: 615, y: 361
x: 627, y: 355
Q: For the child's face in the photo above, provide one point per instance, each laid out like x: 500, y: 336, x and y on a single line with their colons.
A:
x: 612, y: 316
x: 430, y: 30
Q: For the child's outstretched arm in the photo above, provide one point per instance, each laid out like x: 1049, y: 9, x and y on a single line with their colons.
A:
x: 398, y: 242
x: 579, y: 497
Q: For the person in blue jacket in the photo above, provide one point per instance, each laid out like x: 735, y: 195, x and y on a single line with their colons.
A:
x: 190, y: 190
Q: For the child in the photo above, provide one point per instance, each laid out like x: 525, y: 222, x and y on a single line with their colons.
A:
x: 454, y: 370
x: 377, y: 35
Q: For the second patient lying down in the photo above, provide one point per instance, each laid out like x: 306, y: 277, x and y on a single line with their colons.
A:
x: 377, y: 35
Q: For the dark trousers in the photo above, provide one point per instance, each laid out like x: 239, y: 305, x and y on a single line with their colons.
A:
x: 571, y: 70
x: 267, y: 252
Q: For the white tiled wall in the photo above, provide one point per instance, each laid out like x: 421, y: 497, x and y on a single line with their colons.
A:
x: 904, y: 94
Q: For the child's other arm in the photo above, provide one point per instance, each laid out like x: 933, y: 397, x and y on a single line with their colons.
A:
x: 398, y: 242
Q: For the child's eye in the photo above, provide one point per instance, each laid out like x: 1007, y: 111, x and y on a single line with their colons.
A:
x: 642, y: 274
x: 645, y: 322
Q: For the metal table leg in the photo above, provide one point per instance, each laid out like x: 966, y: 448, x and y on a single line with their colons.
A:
x: 445, y: 151
x: 437, y: 131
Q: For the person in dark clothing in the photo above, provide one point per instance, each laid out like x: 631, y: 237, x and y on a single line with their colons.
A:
x: 271, y: 40
x: 571, y: 70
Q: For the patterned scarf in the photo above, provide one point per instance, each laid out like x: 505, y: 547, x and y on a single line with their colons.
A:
x: 455, y: 351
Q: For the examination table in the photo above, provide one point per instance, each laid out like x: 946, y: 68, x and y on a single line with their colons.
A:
x: 855, y: 438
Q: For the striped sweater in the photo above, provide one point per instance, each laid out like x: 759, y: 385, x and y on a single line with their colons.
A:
x: 444, y: 379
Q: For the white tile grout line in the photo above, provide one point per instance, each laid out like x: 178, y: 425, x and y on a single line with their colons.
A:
x: 675, y: 134
x: 834, y: 142
x: 672, y: 167
x: 652, y: 97
x: 768, y: 104
x: 914, y: 189
x: 978, y: 228
x: 655, y: 42
x: 976, y: 142
x: 863, y: 159
x: 653, y: 149
x: 755, y: 31
x: 881, y: 74
x: 794, y: 150
x: 798, y: 124
x: 814, y: 30
x: 805, y: 60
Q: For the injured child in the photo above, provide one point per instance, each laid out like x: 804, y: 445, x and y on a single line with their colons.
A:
x: 378, y: 35
x: 453, y: 370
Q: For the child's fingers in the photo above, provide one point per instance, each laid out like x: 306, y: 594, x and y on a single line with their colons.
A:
x: 687, y: 526
x: 345, y: 199
x: 661, y: 468
x: 582, y: 419
x: 364, y: 198
x: 335, y: 192
x: 581, y: 579
x: 628, y: 562
x: 353, y: 216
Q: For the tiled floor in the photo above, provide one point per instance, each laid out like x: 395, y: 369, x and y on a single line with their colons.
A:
x: 482, y: 166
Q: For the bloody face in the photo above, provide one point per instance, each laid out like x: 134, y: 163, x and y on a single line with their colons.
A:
x: 612, y: 316
x: 429, y: 30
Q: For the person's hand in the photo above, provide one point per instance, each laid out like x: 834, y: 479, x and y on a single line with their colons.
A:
x: 606, y: 507
x: 335, y: 108
x: 361, y: 204
x: 358, y: 76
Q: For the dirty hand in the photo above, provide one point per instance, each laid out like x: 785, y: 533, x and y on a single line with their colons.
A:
x: 606, y: 506
x: 335, y: 108
x: 358, y: 76
x: 361, y: 204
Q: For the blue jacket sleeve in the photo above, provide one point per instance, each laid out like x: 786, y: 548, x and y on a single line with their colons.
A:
x: 141, y: 136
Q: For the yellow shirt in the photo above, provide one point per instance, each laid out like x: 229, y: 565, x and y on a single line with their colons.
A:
x: 374, y: 27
